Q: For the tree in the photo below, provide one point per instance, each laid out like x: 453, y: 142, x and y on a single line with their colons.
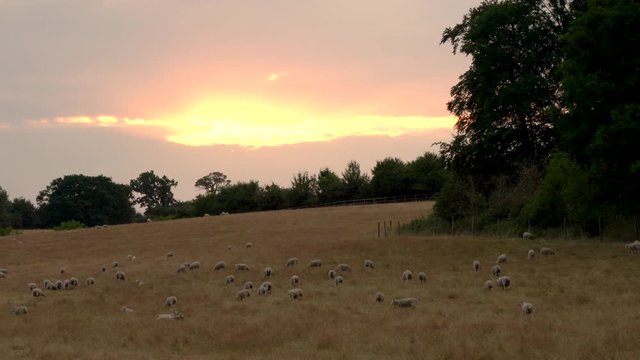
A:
x: 303, y: 190
x: 23, y: 214
x: 389, y: 178
x: 505, y: 99
x: 426, y: 174
x: 239, y: 197
x: 213, y: 182
x: 92, y: 200
x: 155, y: 190
x: 356, y: 183
x: 330, y: 188
x: 272, y: 197
x: 5, y: 205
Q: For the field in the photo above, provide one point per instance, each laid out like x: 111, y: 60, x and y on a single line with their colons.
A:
x: 586, y: 298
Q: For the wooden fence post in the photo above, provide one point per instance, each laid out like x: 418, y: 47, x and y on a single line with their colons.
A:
x: 378, y: 229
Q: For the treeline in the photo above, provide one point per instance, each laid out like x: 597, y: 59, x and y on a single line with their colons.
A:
x: 548, y: 116
x: 97, y: 200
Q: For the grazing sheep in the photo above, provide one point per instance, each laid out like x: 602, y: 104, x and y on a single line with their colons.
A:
x: 527, y: 308
x: 241, y: 267
x: 339, y: 280
x: 115, y: 264
x: 292, y: 261
x: 294, y: 280
x: 545, y: 251
x: 67, y: 284
x: 405, y: 302
x: 528, y: 236
x: 633, y: 247
x: 229, y: 279
x: 379, y: 297
x: 501, y: 259
x: 224, y: 213
x: 295, y: 294
x: 248, y: 285
x: 488, y: 285
x: 206, y: 215
x: 171, y: 301
x: 332, y: 274
x: 181, y: 268
x: 59, y: 285
x: 120, y: 275
x: 126, y: 309
x: 37, y: 292
x: 4, y: 271
x: 243, y: 294
x: 343, y: 267
x: 139, y: 282
x: 103, y: 269
x: 173, y: 316
x: 368, y: 264
x: 315, y: 263
x: 32, y: 286
x: 130, y: 257
x: 504, y: 282
x: 20, y: 310
x: 496, y: 270
x: 407, y: 275
x: 91, y: 281
x: 169, y: 254
x: 531, y: 254
x: 46, y: 284
x: 265, y: 288
x: 219, y: 265
x: 476, y: 265
x: 228, y: 247
x: 248, y: 244
x: 3, y: 275
x: 267, y: 272
x: 74, y: 282
x: 194, y: 265
x: 422, y: 277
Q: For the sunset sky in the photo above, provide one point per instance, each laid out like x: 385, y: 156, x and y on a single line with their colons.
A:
x: 255, y: 89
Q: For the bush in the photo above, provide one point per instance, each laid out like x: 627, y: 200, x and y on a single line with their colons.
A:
x: 69, y: 225
x: 4, y: 231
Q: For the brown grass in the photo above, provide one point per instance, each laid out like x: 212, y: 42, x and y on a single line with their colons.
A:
x: 586, y: 298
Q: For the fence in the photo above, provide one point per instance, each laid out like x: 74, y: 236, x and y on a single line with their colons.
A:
x: 376, y: 200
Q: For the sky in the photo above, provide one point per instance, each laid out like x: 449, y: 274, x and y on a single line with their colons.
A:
x: 256, y: 89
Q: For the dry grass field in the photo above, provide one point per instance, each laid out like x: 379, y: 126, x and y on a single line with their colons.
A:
x: 586, y: 298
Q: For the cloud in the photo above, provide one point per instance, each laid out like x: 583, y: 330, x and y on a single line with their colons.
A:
x: 4, y: 126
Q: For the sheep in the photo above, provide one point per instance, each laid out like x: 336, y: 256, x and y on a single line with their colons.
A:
x: 139, y: 282
x: 267, y: 272
x: 176, y: 315
x: 248, y: 244
x: 315, y: 263
x: 170, y: 301
x: 90, y: 281
x: 131, y: 257
x: 224, y: 213
x: 229, y: 279
x: 368, y: 264
x: 292, y: 261
x: 633, y: 247
x: 206, y: 215
x: 32, y: 286
x: 339, y: 280
x: 496, y: 270
x: 248, y: 285
x: 228, y: 247
x: 219, y: 265
x: 67, y: 284
x: 422, y: 277
x: 504, y: 282
x: 169, y: 254
x: 243, y: 294
x: 294, y: 280
x: 343, y: 267
x: 528, y: 236
x: 59, y: 285
x: 405, y: 302
x: 527, y: 308
x: 37, y: 292
x: 501, y: 259
x: 181, y: 268
x: 4, y: 271
x: 531, y: 254
x: 379, y: 297
x: 20, y: 310
x: 488, y: 285
x: 120, y: 275
x: 407, y: 275
x: 3, y: 275
x: 74, y: 282
x: 265, y: 288
x: 331, y: 274
x: 295, y: 294
x: 545, y: 251
x: 241, y: 267
x: 46, y: 284
x: 194, y: 265
x: 103, y: 269
x: 115, y: 264
x: 126, y: 309
x: 476, y: 265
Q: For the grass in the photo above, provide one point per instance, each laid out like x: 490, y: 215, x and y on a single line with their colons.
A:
x: 586, y: 297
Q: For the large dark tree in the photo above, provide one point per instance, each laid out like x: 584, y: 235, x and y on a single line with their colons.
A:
x: 503, y: 100
x: 5, y: 205
x: 330, y: 188
x: 92, y: 200
x: 389, y: 178
x: 426, y: 174
x: 213, y: 182
x: 303, y: 189
x: 356, y: 183
x: 23, y: 214
x: 155, y: 190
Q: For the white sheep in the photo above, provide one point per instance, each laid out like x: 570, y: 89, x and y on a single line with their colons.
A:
x: 219, y: 265
x: 339, y: 280
x: 228, y: 247
x: 248, y: 285
x: 422, y: 277
x: 170, y: 301
x: 531, y: 254
x: 379, y: 297
x: 74, y: 282
x: 194, y: 265
x: 20, y: 310
x: 241, y: 267
x: 405, y: 302
x: 120, y: 275
x: 343, y: 267
x: 32, y: 286
x: 4, y: 272
x: 265, y: 288
x: 169, y: 254
x: 527, y: 308
x: 294, y: 280
x: 368, y: 264
x: 501, y: 259
x: 528, y: 236
x: 292, y: 261
x: 504, y: 282
x: 267, y: 272
x: 3, y: 275
x: 90, y: 281
x: 248, y: 244
x: 173, y: 316
x: 476, y: 265
x: 545, y: 251
x: 224, y: 213
x: 66, y: 284
x: 315, y: 263
x: 633, y: 247
x: 126, y: 309
x: 181, y: 268
x: 46, y: 284
x: 139, y: 282
x: 295, y: 294
x: 229, y: 279
x: 488, y: 285
x: 243, y: 294
x: 115, y: 264
x: 59, y: 285
x: 407, y: 275
x: 130, y: 257
x: 331, y: 274
x: 37, y: 292
x: 496, y: 270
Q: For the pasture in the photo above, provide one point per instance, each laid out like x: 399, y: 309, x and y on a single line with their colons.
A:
x: 586, y: 298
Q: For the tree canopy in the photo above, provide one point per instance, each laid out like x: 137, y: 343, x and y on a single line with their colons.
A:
x: 155, y: 191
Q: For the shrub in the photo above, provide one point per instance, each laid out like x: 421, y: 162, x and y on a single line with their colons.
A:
x: 69, y: 225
